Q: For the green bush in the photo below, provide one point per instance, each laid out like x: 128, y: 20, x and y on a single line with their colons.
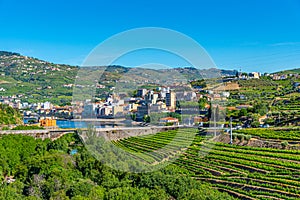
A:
x: 9, y: 115
x: 5, y: 128
x: 284, y: 144
x: 22, y: 127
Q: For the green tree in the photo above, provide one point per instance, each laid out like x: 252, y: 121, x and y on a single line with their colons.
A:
x: 255, y: 124
x: 146, y: 118
x: 202, y: 103
x: 243, y: 112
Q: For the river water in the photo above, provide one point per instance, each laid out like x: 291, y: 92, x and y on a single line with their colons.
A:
x: 74, y: 124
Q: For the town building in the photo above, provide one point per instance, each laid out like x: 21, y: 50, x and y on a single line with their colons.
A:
x: 141, y: 92
x: 48, y: 123
x: 169, y: 120
x: 254, y: 75
x: 171, y: 100
x: 142, y: 110
x: 117, y: 110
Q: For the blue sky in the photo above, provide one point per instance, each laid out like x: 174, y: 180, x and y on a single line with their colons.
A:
x: 256, y: 35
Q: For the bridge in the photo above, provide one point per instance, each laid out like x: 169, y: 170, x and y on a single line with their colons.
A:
x: 101, y: 120
x: 108, y: 133
x: 125, y: 132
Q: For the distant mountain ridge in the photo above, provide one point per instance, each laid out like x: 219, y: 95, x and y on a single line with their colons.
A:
x: 7, y: 53
x: 38, y: 80
x: 289, y: 71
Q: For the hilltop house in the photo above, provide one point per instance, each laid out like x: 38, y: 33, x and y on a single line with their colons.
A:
x: 169, y: 120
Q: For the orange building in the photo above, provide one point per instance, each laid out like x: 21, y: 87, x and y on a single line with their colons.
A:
x: 166, y: 120
x: 48, y: 122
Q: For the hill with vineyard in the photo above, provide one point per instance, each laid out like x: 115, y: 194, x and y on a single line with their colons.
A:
x: 35, y: 80
x: 260, y: 164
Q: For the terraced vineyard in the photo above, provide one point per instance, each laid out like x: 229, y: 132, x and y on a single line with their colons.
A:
x: 242, y: 171
x: 159, y: 147
x: 248, y: 171
x: 278, y: 133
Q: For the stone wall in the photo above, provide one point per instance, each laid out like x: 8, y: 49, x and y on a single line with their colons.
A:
x: 125, y: 132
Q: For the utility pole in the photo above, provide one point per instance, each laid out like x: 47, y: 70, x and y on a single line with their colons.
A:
x: 215, y: 123
x: 230, y: 130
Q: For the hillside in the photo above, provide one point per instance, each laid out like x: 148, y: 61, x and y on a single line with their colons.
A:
x: 37, y: 80
x: 253, y: 167
x: 8, y: 115
x: 34, y: 79
x: 291, y: 71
